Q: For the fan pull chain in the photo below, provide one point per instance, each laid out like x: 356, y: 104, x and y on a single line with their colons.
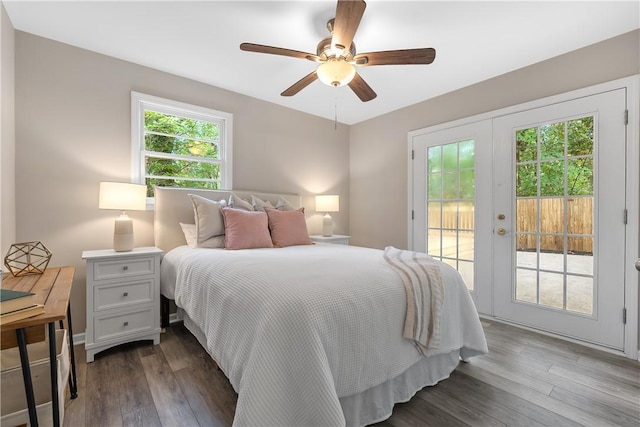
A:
x: 335, y: 117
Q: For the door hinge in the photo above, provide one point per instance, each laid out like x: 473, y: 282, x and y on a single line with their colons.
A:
x: 413, y: 154
x: 626, y: 117
x: 626, y: 215
x: 624, y: 315
x: 412, y: 217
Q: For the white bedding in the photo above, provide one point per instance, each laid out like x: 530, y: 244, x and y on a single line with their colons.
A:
x: 295, y: 329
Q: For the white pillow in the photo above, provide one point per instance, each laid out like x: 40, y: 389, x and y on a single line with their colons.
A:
x: 259, y: 204
x: 189, y: 231
x: 284, y: 205
x: 208, y: 218
x: 238, y: 203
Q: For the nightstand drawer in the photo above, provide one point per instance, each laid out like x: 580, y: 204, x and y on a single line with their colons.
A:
x: 113, y: 327
x: 105, y: 270
x: 121, y: 295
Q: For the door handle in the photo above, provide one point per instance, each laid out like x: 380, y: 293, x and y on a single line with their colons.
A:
x: 638, y: 264
x: 501, y: 231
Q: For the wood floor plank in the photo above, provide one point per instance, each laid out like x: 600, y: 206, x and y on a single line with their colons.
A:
x: 202, y: 401
x: 515, y: 373
x: 135, y: 393
x: 616, y: 388
x: 460, y: 409
x: 505, y: 407
x: 612, y: 367
x: 421, y: 413
x: 570, y: 412
x: 74, y: 409
x: 103, y: 393
x: 171, y: 404
x: 597, y: 408
x: 146, y: 416
x: 178, y: 352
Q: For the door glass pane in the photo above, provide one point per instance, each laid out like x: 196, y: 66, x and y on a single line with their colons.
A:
x: 552, y: 218
x: 552, y: 141
x: 450, y: 206
x: 551, y: 289
x: 526, y: 285
x: 580, y: 294
x: 434, y: 161
x: 554, y: 215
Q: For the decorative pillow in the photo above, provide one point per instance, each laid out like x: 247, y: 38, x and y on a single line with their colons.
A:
x: 238, y: 203
x: 288, y: 228
x: 284, y: 205
x: 246, y: 229
x: 189, y: 231
x: 208, y: 218
x: 260, y: 205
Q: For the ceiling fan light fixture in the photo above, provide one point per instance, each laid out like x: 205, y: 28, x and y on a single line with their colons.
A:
x: 336, y: 72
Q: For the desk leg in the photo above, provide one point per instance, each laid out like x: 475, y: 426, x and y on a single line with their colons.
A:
x: 26, y: 375
x: 73, y: 379
x: 53, y: 364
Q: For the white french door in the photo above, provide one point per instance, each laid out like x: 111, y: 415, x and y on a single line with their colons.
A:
x: 530, y: 208
x: 452, y: 193
x: 559, y: 231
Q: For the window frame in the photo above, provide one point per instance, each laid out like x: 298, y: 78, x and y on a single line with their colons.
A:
x: 141, y: 102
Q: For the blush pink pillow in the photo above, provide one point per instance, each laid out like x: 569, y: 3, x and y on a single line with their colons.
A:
x: 245, y: 229
x: 288, y: 228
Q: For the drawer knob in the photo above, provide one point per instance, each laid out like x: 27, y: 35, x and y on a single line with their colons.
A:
x: 126, y: 294
x: 126, y: 324
x: 125, y: 268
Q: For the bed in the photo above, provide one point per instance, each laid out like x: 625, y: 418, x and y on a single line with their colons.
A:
x: 307, y: 334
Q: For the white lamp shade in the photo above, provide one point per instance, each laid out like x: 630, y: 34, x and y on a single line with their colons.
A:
x: 123, y: 196
x: 328, y: 203
x: 335, y: 72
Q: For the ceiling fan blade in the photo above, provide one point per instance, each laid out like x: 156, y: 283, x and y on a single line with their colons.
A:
x: 301, y: 84
x: 252, y: 47
x: 362, y: 89
x: 397, y: 57
x: 348, y: 16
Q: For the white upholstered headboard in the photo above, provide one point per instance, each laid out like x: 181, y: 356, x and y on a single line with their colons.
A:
x: 173, y: 206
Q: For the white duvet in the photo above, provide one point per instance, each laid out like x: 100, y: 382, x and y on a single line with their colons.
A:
x: 297, y: 328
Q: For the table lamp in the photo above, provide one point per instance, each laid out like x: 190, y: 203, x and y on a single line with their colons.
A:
x: 124, y: 197
x: 327, y: 203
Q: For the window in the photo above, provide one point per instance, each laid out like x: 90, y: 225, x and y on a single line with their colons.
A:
x: 179, y: 145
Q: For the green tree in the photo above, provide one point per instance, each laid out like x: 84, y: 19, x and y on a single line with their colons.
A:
x: 189, y: 144
x: 546, y: 154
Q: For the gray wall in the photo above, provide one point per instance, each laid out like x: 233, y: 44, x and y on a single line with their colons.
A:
x: 7, y: 134
x: 379, y: 147
x: 73, y: 131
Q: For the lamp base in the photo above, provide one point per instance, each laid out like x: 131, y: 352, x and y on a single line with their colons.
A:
x: 327, y: 226
x: 123, y: 234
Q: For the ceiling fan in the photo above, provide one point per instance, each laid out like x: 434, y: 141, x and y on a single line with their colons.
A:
x: 337, y: 54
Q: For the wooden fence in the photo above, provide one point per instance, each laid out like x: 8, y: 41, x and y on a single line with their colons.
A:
x: 579, y: 221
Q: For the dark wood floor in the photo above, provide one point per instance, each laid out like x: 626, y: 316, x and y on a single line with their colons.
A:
x: 527, y: 380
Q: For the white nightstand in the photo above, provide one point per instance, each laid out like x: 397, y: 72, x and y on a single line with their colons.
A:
x: 335, y: 239
x: 123, y: 298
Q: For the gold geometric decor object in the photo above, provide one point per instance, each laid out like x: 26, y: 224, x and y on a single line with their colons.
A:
x: 27, y: 258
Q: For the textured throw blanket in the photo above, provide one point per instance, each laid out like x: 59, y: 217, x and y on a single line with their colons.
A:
x: 420, y: 275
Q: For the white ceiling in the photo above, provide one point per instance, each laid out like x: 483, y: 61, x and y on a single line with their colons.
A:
x: 474, y: 40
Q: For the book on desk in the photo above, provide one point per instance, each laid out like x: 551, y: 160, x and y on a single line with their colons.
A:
x: 23, y: 313
x: 11, y: 300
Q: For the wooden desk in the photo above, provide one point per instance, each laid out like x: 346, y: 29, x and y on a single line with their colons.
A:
x: 52, y: 289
